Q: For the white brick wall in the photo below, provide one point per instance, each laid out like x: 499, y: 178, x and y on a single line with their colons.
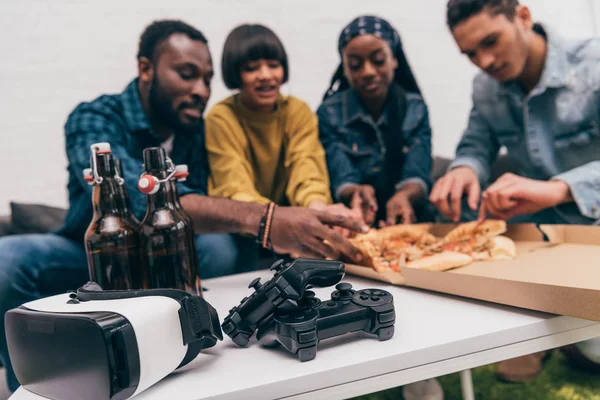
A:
x: 56, y: 54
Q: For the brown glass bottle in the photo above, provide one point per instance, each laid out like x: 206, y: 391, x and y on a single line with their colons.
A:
x: 180, y: 175
x: 126, y: 203
x: 111, y: 242
x: 165, y: 234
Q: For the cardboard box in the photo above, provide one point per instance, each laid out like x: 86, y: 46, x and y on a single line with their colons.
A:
x: 557, y: 270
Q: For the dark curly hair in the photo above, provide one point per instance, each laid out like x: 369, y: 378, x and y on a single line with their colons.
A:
x: 159, y: 31
x: 458, y: 11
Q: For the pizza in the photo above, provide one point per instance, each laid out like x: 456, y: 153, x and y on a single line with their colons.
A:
x: 390, y: 248
x: 383, y: 249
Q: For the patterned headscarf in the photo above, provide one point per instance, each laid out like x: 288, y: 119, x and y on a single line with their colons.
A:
x: 371, y: 25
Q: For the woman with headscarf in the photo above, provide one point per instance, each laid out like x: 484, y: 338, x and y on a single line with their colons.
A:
x: 374, y: 127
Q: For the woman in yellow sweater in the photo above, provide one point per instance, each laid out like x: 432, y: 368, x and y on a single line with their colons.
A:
x: 262, y: 146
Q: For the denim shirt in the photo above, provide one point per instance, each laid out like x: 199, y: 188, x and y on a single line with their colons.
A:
x: 354, y: 144
x: 552, y: 133
x: 121, y: 121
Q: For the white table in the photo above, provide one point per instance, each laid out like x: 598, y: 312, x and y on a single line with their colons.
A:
x: 435, y: 335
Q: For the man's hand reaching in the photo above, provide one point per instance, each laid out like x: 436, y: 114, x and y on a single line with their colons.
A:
x: 302, y: 231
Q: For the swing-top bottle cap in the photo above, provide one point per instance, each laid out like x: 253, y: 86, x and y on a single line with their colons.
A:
x: 87, y: 176
x: 181, y: 172
x: 101, y: 148
x: 148, y: 184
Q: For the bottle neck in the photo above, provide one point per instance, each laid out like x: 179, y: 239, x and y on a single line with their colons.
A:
x: 123, y: 198
x: 162, y: 199
x: 105, y: 198
x: 175, y: 194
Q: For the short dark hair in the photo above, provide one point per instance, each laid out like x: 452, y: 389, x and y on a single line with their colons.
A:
x: 159, y: 31
x: 250, y: 42
x: 458, y: 11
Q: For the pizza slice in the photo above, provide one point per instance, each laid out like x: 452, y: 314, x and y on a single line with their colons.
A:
x: 443, y: 261
x: 488, y: 228
x: 384, y: 249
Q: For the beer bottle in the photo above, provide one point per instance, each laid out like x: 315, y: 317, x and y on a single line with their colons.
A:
x: 111, y: 242
x: 124, y: 195
x: 181, y: 173
x: 165, y: 234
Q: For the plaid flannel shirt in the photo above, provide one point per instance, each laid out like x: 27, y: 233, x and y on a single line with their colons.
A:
x: 121, y: 121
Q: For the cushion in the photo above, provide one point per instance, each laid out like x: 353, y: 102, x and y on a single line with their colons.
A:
x: 5, y: 225
x: 35, y: 218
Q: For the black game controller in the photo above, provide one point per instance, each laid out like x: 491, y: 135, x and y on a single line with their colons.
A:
x: 300, y: 328
x: 289, y: 283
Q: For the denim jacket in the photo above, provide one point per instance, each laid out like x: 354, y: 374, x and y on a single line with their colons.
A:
x: 354, y: 145
x: 552, y: 133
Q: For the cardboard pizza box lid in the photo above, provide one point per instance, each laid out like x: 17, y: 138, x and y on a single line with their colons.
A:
x: 556, y: 271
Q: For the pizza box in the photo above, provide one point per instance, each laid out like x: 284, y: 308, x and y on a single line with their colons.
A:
x: 557, y: 270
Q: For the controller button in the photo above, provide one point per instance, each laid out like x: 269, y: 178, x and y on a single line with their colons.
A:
x: 386, y: 317
x: 276, y: 265
x: 255, y: 284
x: 343, y: 286
x: 364, y: 297
x: 375, y: 298
x: 307, y: 337
x: 331, y: 303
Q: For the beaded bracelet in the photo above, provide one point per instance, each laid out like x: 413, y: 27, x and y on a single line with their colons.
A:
x: 264, y: 230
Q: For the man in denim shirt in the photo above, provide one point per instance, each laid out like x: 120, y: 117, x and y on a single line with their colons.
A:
x: 537, y: 97
x: 162, y: 107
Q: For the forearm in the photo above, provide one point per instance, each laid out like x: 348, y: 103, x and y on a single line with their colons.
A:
x: 219, y: 215
x: 583, y: 183
x: 478, y: 148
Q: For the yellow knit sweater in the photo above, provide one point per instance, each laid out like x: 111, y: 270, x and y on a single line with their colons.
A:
x: 262, y: 157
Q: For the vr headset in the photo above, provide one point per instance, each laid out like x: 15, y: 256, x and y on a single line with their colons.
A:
x: 96, y: 344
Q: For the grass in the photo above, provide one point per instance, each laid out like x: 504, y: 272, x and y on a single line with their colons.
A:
x: 558, y: 381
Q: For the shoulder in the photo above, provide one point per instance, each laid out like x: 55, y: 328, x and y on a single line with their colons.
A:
x: 415, y: 102
x: 587, y: 50
x: 416, y: 111
x: 334, y: 101
x: 99, y: 113
x: 296, y: 110
x: 295, y: 105
x: 222, y: 110
x: 583, y: 64
x: 331, y: 109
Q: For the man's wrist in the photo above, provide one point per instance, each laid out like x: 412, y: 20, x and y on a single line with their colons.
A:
x: 250, y: 222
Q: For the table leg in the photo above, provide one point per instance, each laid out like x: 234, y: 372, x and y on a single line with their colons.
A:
x: 466, y: 382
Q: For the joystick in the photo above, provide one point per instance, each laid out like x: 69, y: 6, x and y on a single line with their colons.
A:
x: 299, y: 330
x: 289, y: 283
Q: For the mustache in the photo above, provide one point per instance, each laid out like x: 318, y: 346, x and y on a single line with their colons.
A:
x: 197, y: 104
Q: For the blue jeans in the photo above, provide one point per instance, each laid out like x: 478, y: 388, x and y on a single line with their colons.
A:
x: 42, y: 265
